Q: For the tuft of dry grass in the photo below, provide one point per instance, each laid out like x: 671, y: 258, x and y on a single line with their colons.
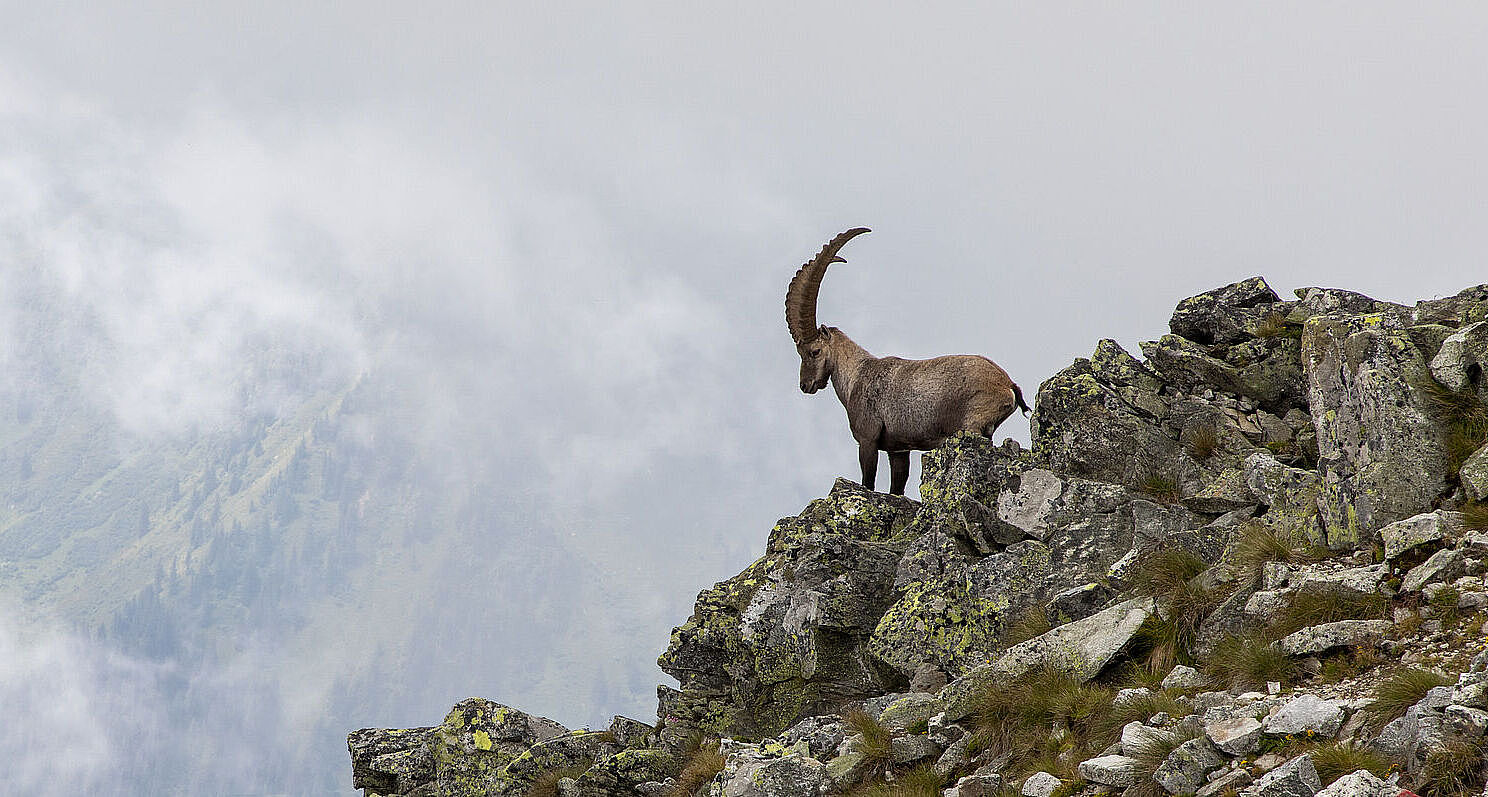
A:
x: 1457, y: 769
x: 1401, y: 690
x: 878, y: 741
x: 922, y: 781
x: 1258, y: 543
x: 1275, y: 325
x: 1031, y: 623
x: 703, y: 764
x: 1202, y: 440
x: 1170, y: 576
x: 1160, y: 487
x: 1475, y: 517
x: 546, y: 784
x: 1315, y: 608
x: 1044, y: 720
x: 1462, y: 415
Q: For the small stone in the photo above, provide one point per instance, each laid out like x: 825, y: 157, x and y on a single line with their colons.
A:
x: 908, y: 749
x: 1443, y: 565
x: 1405, y: 535
x: 1111, y: 770
x: 1136, y: 737
x: 1273, y: 687
x: 1235, y: 780
x: 1185, y: 679
x: 1236, y: 736
x: 1308, y: 715
x: 1040, y: 784
x: 989, y: 785
x: 1361, y: 783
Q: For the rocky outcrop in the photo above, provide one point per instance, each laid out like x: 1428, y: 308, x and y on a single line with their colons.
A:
x: 1270, y: 495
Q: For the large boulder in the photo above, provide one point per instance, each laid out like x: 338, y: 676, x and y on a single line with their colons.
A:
x: 390, y: 760
x: 1381, y: 453
x: 1462, y: 360
x: 1225, y: 315
x: 1104, y: 418
x: 1076, y: 530
x: 788, y: 637
x: 1268, y: 370
x: 476, y: 742
x: 1080, y: 649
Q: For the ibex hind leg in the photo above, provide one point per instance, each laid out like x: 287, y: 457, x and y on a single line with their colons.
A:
x: 868, y: 461
x: 898, y: 471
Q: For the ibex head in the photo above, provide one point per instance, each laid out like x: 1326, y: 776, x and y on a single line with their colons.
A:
x: 812, y: 341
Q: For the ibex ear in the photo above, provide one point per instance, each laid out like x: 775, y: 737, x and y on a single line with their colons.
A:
x: 824, y: 332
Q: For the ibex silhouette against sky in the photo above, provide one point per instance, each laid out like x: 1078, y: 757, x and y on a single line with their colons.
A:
x: 893, y: 404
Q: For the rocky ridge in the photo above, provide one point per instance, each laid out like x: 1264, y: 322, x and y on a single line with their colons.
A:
x: 1250, y: 562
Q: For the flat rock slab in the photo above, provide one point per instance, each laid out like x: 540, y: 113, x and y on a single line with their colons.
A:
x: 1111, y: 770
x: 1296, y: 778
x: 1344, y: 633
x: 1306, y: 715
x: 1080, y: 649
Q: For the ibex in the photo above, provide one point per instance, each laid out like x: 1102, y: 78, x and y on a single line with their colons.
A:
x: 892, y: 404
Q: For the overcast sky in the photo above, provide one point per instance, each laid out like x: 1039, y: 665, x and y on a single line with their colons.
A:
x: 577, y: 221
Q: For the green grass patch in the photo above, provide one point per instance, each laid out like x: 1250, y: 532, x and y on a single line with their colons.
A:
x: 1249, y: 661
x: 1315, y: 608
x: 1044, y: 721
x: 1160, y: 487
x: 1171, y: 577
x: 878, y: 741
x: 1333, y: 760
x: 1457, y: 769
x: 1257, y: 543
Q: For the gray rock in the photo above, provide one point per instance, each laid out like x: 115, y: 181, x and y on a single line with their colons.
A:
x: 390, y: 760
x: 1466, y: 722
x: 1090, y: 417
x: 1306, y: 714
x: 1225, y: 315
x: 1444, y: 565
x: 788, y: 776
x: 1425, y: 529
x: 628, y: 732
x: 1111, y: 770
x: 1081, y: 649
x: 1235, y: 735
x: 908, y: 711
x: 1268, y: 370
x: 908, y: 749
x: 988, y: 785
x: 1265, y: 606
x: 1361, y: 783
x: 1344, y: 633
x: 1030, y: 508
x: 1185, y: 679
x: 1352, y: 581
x: 822, y: 735
x: 1296, y: 778
x: 1275, y: 575
x: 955, y: 757
x: 1463, y: 358
x: 788, y: 637
x: 1077, y: 603
x: 1381, y: 454
x: 1040, y: 784
x: 1290, y: 493
x: 1228, y: 491
x: 1127, y: 697
x: 1188, y: 767
x: 1137, y: 738
x: 1474, y: 474
x: 1235, y: 779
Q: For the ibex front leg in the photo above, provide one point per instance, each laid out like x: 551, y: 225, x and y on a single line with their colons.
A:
x: 868, y: 460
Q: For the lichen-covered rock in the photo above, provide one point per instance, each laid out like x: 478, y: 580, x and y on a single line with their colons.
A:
x: 390, y: 760
x: 476, y: 742
x: 1235, y: 735
x: 1361, y: 783
x: 1347, y: 582
x: 914, y: 709
x: 1474, y: 474
x: 955, y: 619
x: 1103, y: 419
x: 1380, y: 451
x: 1290, y: 494
x: 1225, y: 493
x: 1225, y: 315
x: 750, y: 774
x: 1426, y: 530
x: 627, y: 770
x: 575, y: 749
x: 1040, y: 784
x: 1463, y: 358
x: 1344, y: 633
x: 960, y: 483
x: 1080, y: 649
x: 1185, y: 679
x: 1268, y: 370
x: 988, y: 785
x: 788, y: 637
x: 1444, y: 565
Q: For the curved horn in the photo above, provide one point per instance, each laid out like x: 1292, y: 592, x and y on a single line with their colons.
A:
x: 800, y: 297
